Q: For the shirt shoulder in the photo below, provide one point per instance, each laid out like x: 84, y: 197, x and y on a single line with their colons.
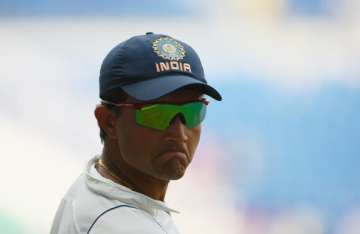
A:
x: 95, y: 205
x: 79, y: 208
x: 125, y: 219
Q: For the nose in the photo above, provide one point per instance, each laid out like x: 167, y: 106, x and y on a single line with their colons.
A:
x: 177, y: 129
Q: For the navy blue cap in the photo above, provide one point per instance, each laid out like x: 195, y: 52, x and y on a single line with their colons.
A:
x: 150, y: 66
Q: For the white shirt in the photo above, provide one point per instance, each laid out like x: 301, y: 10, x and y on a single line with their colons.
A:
x: 96, y: 205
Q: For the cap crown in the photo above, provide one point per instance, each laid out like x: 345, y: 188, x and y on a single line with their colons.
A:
x: 147, y: 57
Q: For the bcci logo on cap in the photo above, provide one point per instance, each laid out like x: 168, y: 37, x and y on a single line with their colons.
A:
x: 169, y: 49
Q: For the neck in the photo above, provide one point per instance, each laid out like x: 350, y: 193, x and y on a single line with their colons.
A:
x: 116, y: 169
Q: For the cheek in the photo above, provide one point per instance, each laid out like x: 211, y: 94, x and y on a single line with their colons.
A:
x: 194, y: 137
x: 128, y: 137
x: 135, y: 142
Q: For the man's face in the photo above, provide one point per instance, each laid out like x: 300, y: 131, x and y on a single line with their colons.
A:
x: 163, y: 155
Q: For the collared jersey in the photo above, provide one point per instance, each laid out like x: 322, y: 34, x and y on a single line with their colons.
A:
x: 96, y: 205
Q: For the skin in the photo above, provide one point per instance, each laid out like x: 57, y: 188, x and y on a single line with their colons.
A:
x: 145, y: 159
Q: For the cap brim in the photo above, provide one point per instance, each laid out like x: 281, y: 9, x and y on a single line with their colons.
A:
x: 156, y: 88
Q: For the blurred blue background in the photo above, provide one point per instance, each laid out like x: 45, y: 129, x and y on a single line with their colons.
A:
x: 280, y: 154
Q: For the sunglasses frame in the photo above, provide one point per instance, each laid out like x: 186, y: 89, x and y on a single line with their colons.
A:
x: 138, y: 106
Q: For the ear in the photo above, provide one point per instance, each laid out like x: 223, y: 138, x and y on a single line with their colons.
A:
x: 106, y: 120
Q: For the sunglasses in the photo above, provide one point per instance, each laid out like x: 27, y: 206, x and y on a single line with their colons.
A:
x: 159, y: 115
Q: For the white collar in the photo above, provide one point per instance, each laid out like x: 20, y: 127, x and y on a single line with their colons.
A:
x: 112, y: 190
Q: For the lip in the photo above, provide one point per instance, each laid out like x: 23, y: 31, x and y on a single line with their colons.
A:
x: 172, y: 154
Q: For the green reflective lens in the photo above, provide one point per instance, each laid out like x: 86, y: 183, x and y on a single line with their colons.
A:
x: 159, y: 116
x: 194, y: 113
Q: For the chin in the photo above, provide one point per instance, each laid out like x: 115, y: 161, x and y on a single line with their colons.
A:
x: 177, y: 176
x: 173, y: 170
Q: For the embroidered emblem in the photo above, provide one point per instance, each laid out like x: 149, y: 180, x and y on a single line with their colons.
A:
x: 168, y: 48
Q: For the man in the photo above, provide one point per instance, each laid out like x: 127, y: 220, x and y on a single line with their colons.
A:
x: 152, y: 103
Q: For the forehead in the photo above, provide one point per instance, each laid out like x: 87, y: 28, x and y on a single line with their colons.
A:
x: 181, y: 95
